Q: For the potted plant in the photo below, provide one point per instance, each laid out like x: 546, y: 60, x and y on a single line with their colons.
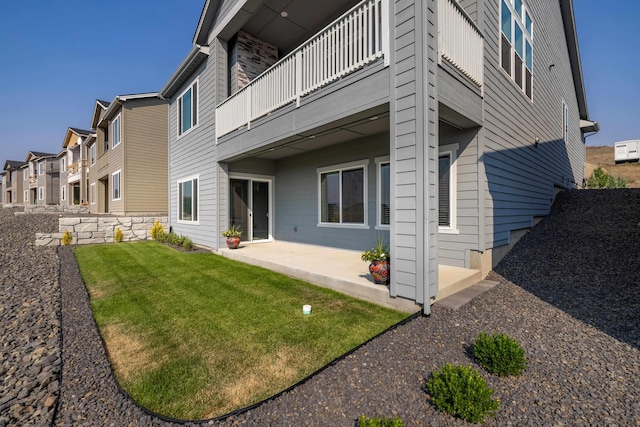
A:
x: 233, y: 236
x: 378, y: 257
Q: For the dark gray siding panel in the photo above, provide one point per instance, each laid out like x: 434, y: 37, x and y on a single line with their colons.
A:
x: 520, y: 178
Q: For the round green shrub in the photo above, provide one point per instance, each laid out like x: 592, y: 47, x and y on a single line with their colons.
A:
x: 499, y: 354
x: 379, y: 422
x: 461, y: 391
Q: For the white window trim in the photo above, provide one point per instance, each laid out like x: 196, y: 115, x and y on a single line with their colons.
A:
x: 565, y: 122
x: 180, y: 134
x: 92, y: 193
x: 63, y: 193
x: 25, y: 175
x: 526, y: 37
x: 40, y: 193
x: 364, y: 164
x: 451, y: 150
x: 26, y: 196
x: 63, y: 164
x: 113, y: 135
x: 119, y: 173
x: 40, y: 168
x: 92, y: 154
x: 179, y: 202
x: 379, y: 162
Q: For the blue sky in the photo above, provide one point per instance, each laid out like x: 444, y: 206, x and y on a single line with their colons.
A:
x: 58, y: 56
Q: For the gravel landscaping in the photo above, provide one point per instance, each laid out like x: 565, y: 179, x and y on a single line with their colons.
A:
x: 568, y: 292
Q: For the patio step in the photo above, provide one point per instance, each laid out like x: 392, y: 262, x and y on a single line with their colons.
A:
x: 455, y: 279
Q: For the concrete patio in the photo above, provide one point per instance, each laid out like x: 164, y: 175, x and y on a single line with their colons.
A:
x: 341, y: 270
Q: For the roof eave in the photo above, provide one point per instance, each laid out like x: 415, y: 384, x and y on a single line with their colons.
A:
x: 207, y: 16
x: 196, y: 56
x: 568, y: 19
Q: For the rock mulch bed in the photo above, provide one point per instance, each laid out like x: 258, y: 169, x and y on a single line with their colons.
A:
x: 562, y: 294
x: 29, y: 321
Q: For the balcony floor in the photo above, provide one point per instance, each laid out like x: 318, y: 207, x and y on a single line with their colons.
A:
x: 341, y: 270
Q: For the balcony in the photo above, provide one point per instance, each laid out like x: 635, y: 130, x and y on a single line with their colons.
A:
x: 73, y: 171
x: 357, y: 38
x: 460, y: 41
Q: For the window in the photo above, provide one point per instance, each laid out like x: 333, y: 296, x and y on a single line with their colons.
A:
x: 342, y: 194
x: 188, y: 200
x: 63, y: 164
x: 516, y: 41
x: 384, y: 192
x: 31, y: 168
x: 447, y: 188
x: 41, y: 168
x: 188, y: 109
x: 63, y: 193
x: 565, y: 122
x: 115, y: 183
x: 40, y: 193
x: 92, y: 193
x: 26, y: 196
x: 92, y: 154
x: 25, y: 175
x: 115, y: 129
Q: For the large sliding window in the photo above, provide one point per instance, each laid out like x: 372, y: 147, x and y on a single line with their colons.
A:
x: 343, y: 194
x: 188, y: 109
x: 516, y: 44
x: 188, y: 200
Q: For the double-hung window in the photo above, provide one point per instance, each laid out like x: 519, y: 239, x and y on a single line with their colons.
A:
x: 115, y: 183
x: 93, y: 193
x: 25, y: 175
x: 92, y: 154
x: 116, y: 131
x: 188, y: 200
x: 40, y: 193
x: 63, y: 193
x: 63, y: 164
x: 384, y: 192
x: 516, y: 44
x: 447, y: 188
x: 26, y: 196
x: 188, y: 109
x: 343, y: 194
x: 41, y: 168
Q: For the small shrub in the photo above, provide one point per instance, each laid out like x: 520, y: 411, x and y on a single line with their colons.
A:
x: 499, y: 354
x: 601, y: 179
x: 118, y: 236
x: 187, y: 244
x: 66, y: 238
x: 174, y: 240
x: 157, y: 230
x: 461, y: 391
x: 379, y: 422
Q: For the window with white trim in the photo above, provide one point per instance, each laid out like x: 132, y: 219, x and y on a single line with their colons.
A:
x: 63, y: 192
x: 63, y: 164
x: 40, y: 193
x: 188, y: 200
x: 343, y: 194
x: 26, y: 196
x: 93, y: 193
x: 92, y: 154
x: 30, y: 168
x: 25, y: 175
x: 565, y: 122
x: 41, y: 168
x: 516, y: 44
x: 115, y: 184
x: 384, y: 192
x: 447, y: 188
x: 188, y: 109
x: 116, y: 131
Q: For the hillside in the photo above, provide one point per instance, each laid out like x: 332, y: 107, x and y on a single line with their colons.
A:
x: 603, y: 157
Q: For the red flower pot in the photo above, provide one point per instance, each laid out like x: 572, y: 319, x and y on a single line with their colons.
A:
x: 233, y: 242
x: 379, y: 270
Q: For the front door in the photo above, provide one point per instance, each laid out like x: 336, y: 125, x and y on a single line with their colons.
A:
x: 250, y: 206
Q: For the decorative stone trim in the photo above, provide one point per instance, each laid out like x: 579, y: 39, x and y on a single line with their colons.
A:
x: 92, y: 230
x: 55, y: 209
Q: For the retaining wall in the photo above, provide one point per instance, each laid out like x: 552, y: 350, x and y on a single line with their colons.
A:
x: 90, y: 230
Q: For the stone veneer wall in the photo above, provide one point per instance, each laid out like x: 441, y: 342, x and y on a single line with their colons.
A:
x: 101, y: 229
x: 250, y: 57
x: 55, y: 209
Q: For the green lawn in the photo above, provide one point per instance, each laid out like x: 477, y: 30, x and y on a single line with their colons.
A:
x: 195, y: 336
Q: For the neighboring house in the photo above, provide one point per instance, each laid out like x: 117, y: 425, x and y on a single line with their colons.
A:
x: 41, y: 179
x: 128, y: 156
x: 446, y: 127
x: 2, y: 185
x: 13, y: 183
x: 74, y: 167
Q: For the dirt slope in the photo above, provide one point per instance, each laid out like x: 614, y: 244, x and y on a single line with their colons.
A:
x: 603, y: 157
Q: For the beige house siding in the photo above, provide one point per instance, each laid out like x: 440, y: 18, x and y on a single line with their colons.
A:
x: 145, y: 186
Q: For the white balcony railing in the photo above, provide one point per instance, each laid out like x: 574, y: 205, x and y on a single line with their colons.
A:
x: 356, y: 38
x: 461, y: 42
